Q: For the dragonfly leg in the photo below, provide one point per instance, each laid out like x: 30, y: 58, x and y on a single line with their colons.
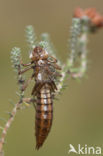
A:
x: 23, y: 71
x: 25, y: 65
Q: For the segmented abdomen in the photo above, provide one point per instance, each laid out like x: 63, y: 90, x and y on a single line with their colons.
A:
x: 44, y: 115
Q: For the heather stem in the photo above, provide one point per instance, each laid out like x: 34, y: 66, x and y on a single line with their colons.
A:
x: 83, y: 57
x: 7, y: 126
x: 78, y: 50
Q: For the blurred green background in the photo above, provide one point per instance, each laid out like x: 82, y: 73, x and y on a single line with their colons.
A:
x: 78, y: 113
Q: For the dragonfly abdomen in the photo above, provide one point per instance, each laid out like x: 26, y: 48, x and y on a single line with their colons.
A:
x: 44, y: 115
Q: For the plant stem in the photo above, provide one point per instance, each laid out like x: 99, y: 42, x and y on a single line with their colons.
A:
x: 83, y: 57
x: 78, y: 45
x: 8, y: 124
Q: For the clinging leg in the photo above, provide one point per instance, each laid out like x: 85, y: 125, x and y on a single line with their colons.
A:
x: 23, y: 71
x: 56, y: 66
x: 54, y: 60
x: 54, y: 63
x: 25, y: 65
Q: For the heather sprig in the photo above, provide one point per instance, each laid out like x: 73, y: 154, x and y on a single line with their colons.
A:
x: 74, y: 67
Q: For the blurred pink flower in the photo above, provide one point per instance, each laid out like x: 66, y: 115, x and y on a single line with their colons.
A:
x: 92, y: 14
